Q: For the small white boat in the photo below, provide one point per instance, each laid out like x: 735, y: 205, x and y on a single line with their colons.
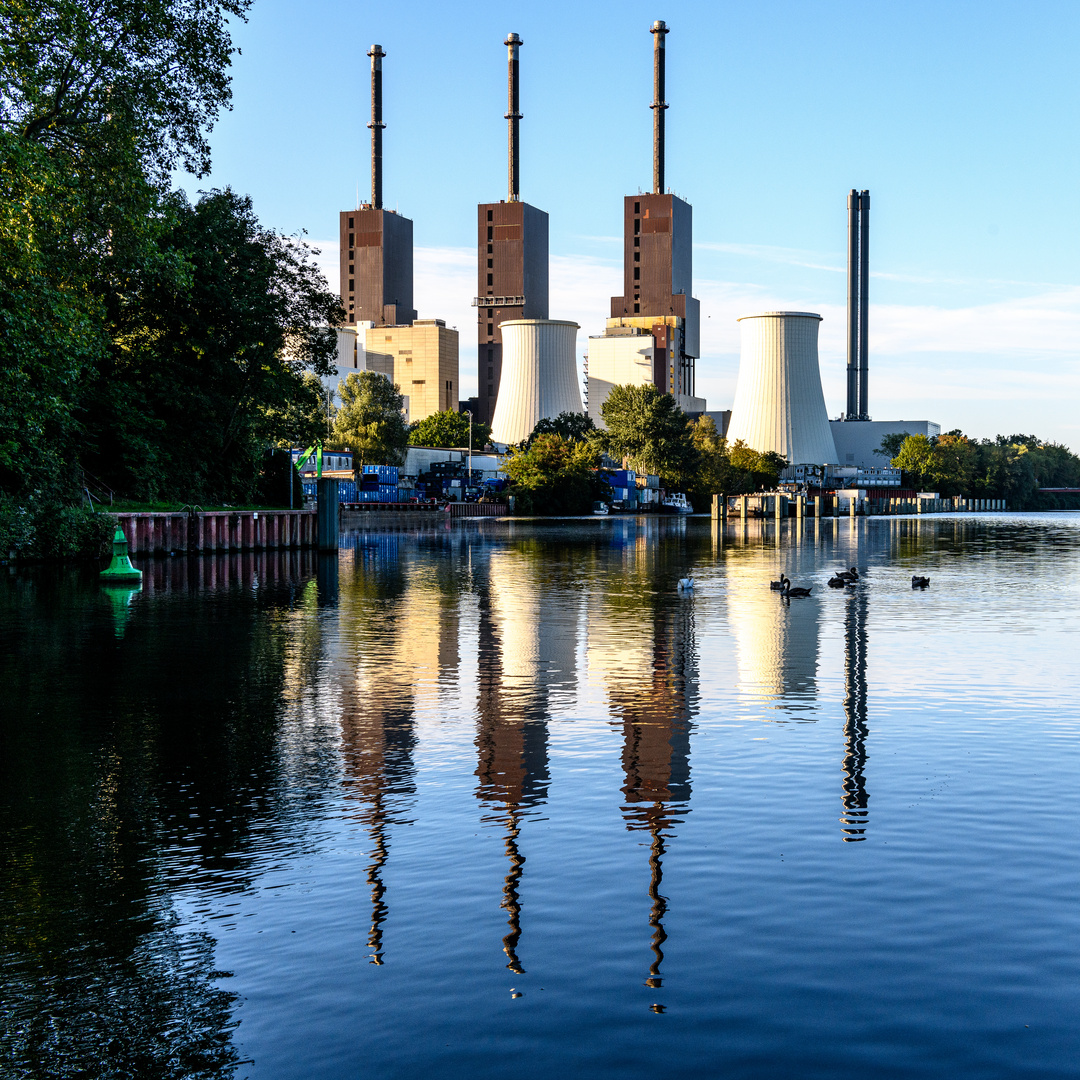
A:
x: 601, y: 507
x: 677, y: 503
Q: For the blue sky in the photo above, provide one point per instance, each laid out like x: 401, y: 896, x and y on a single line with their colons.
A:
x: 960, y: 118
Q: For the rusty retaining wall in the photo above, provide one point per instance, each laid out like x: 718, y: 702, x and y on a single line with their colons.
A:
x: 464, y: 509
x: 154, y: 533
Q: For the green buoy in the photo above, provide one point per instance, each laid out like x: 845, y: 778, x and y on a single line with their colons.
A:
x: 120, y: 571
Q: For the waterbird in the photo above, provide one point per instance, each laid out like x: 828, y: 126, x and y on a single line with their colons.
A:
x: 851, y: 575
x: 919, y: 582
x: 685, y: 583
x: 839, y: 582
x: 778, y: 586
x: 797, y: 591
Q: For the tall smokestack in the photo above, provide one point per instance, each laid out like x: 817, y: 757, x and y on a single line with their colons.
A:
x: 376, y: 125
x: 864, y: 303
x: 659, y: 30
x: 852, y: 305
x: 513, y: 43
x: 858, y: 362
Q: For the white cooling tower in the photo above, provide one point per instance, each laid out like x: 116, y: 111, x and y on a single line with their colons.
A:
x: 778, y: 402
x: 539, y: 376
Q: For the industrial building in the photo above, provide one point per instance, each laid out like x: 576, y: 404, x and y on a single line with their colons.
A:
x: 376, y: 266
x: 421, y: 360
x: 512, y: 258
x: 657, y: 283
x: 779, y: 405
x: 855, y: 435
x: 539, y: 377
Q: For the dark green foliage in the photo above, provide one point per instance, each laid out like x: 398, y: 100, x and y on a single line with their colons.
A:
x: 649, y: 431
x: 208, y: 356
x: 449, y: 429
x: 570, y: 425
x: 555, y: 476
x: 1013, y: 468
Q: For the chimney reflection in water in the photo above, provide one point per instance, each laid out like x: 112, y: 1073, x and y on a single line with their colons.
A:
x: 855, y: 813
x: 515, y: 658
x: 656, y: 714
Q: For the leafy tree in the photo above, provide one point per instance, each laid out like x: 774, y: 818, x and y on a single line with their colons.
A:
x: 210, y: 347
x: 760, y: 468
x: 107, y: 83
x: 371, y: 421
x: 302, y: 418
x: 449, y: 429
x: 573, y: 426
x: 890, y: 444
x: 650, y: 431
x: 945, y: 464
x: 555, y: 476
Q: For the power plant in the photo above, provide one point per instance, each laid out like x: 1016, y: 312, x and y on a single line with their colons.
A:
x: 526, y: 362
x: 376, y: 266
x: 657, y: 284
x: 779, y: 405
x: 512, y: 257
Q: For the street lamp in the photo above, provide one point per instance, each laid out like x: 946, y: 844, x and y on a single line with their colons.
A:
x: 469, y: 411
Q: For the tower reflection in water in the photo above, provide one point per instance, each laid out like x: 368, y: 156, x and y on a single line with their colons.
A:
x: 402, y: 641
x: 527, y: 645
x: 652, y: 639
x: 855, y: 814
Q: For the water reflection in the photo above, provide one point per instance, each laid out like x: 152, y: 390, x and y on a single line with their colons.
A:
x: 524, y: 652
x: 642, y: 648
x: 855, y: 727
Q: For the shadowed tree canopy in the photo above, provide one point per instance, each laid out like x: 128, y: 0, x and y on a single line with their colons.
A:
x: 210, y: 344
x: 450, y: 429
x: 570, y: 425
x: 371, y: 421
x: 98, y: 82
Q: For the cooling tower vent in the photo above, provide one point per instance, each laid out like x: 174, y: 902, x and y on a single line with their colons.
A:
x: 779, y: 405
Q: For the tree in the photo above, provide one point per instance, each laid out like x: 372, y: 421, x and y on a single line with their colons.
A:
x: 945, y: 464
x: 890, y: 444
x: 371, y: 421
x: 210, y: 345
x: 449, y: 429
x: 555, y: 476
x: 570, y: 425
x: 760, y: 468
x: 649, y: 430
x: 111, y: 82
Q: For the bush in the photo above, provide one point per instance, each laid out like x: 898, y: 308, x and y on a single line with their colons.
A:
x: 53, y: 531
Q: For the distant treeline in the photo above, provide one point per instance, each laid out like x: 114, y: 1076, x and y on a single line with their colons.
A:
x: 1011, y: 467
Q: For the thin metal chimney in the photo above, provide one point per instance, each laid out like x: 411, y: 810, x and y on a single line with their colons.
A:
x: 864, y: 303
x: 659, y: 31
x: 858, y: 363
x: 376, y: 53
x: 513, y: 43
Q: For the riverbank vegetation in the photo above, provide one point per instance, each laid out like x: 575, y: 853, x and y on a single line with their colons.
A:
x: 152, y: 348
x: 1015, y: 468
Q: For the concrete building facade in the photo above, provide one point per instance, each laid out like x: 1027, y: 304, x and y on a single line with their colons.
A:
x: 421, y: 360
x: 376, y: 266
x: 857, y: 440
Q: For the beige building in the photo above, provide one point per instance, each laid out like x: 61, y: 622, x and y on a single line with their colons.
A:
x: 421, y: 360
x: 638, y: 350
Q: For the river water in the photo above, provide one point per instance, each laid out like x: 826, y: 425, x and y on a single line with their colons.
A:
x: 498, y: 800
